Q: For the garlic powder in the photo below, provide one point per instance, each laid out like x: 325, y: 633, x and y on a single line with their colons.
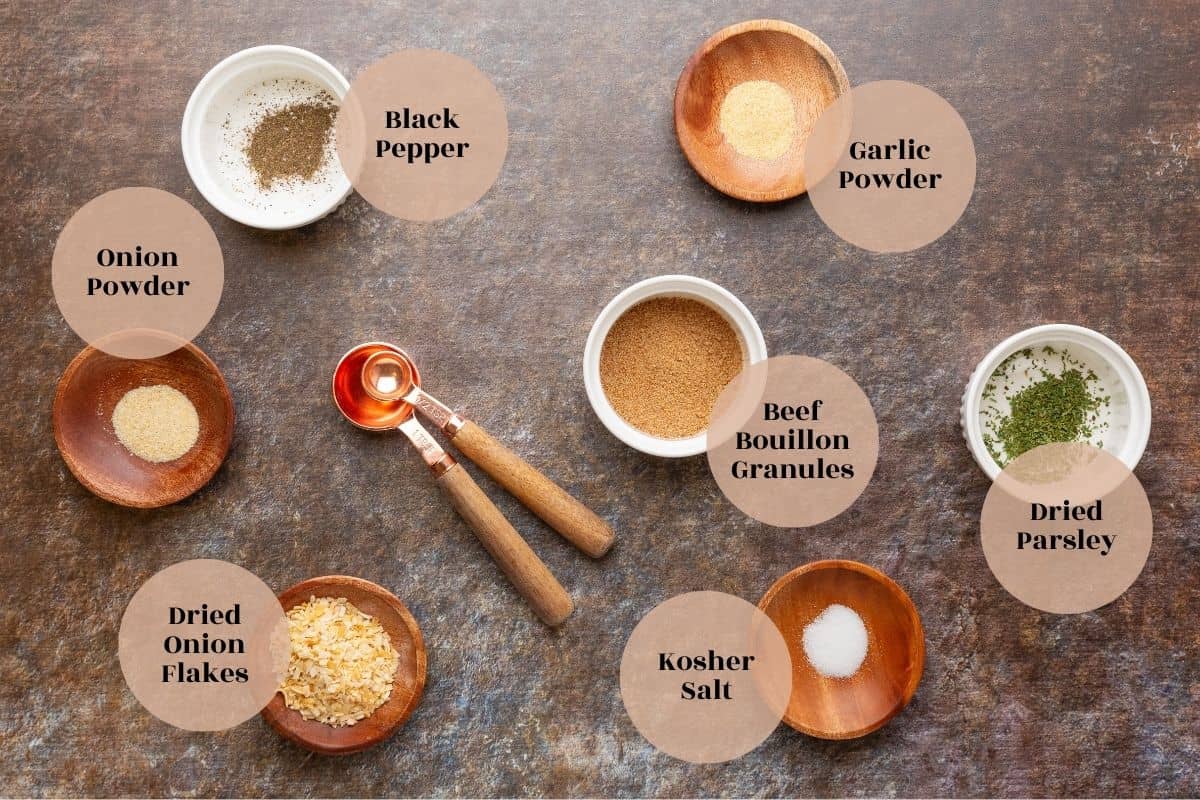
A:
x: 758, y: 119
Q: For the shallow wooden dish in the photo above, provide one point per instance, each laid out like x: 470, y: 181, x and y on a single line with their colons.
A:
x: 846, y: 708
x: 373, y: 599
x: 761, y: 49
x: 83, y: 405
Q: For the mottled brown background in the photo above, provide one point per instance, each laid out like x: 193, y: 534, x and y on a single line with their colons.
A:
x: 1086, y: 123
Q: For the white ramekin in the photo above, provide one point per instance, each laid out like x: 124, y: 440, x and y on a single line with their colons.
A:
x: 206, y: 112
x: 1126, y: 440
x: 754, y: 347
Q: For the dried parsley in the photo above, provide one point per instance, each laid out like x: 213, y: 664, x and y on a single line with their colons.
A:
x: 1058, y: 401
x: 291, y: 143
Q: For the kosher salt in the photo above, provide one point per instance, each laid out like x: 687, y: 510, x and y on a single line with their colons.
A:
x: 836, y: 642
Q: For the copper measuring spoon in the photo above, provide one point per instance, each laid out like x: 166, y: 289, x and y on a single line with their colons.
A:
x: 390, y: 376
x: 531, y: 577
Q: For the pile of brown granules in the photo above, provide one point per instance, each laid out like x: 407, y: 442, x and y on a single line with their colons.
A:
x: 292, y: 143
x: 665, y: 362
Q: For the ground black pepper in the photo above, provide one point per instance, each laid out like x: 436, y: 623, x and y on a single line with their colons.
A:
x: 292, y: 143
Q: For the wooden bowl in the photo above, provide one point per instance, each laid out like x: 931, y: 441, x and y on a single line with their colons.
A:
x: 83, y: 406
x: 761, y: 49
x: 402, y: 629
x: 846, y: 708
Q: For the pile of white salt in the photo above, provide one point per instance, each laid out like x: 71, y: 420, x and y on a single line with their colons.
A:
x: 836, y: 642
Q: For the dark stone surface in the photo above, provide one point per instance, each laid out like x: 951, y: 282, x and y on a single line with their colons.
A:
x: 1085, y: 120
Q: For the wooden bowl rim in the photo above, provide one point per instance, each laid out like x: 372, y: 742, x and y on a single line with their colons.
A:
x: 898, y: 593
x: 720, y: 37
x: 282, y: 719
x: 184, y: 490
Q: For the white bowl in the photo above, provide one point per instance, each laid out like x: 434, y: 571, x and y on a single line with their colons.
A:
x: 754, y: 348
x: 1128, y: 411
x: 203, y: 135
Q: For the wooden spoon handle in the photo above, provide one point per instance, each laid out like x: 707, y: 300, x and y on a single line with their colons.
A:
x: 528, y: 574
x: 575, y: 521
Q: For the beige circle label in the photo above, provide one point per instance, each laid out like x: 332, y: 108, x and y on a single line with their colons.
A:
x: 706, y: 677
x: 137, y: 258
x: 904, y: 174
x: 204, y: 645
x: 793, y: 441
x: 422, y: 134
x: 1066, y: 528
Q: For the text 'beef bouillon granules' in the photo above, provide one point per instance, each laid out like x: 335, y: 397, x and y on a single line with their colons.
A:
x: 665, y: 362
x: 293, y: 142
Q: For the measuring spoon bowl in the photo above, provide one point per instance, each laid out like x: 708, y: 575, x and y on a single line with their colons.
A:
x: 350, y: 394
x: 388, y: 376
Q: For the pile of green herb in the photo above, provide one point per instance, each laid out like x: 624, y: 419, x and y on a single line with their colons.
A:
x: 1059, y: 402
